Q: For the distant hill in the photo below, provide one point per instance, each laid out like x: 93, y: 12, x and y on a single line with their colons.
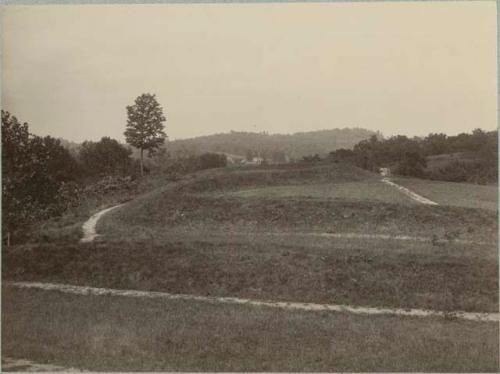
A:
x: 241, y: 144
x: 294, y: 146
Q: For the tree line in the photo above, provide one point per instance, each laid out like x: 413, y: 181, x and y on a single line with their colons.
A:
x: 463, y: 158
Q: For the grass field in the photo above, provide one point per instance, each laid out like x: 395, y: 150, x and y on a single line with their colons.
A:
x: 120, y: 334
x: 244, y: 233
x: 454, y: 194
x: 368, y: 273
x: 363, y: 191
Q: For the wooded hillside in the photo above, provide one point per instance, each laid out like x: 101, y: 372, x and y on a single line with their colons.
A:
x: 294, y: 146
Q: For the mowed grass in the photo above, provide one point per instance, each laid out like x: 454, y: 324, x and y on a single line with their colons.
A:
x: 125, y: 334
x: 364, y: 191
x: 453, y: 194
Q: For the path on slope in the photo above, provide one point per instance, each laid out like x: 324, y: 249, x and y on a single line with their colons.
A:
x: 89, y: 227
x: 90, y: 233
x: 412, y: 195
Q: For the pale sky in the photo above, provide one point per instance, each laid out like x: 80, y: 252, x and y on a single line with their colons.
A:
x: 401, y: 68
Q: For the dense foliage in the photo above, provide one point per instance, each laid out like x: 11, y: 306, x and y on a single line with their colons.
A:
x: 105, y: 157
x: 463, y: 158
x: 38, y: 177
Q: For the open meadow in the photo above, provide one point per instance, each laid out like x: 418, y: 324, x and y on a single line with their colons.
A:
x: 326, y: 233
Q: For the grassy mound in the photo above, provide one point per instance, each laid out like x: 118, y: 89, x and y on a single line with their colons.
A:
x: 275, y: 175
x: 162, y: 212
x: 176, y: 240
x: 297, y: 197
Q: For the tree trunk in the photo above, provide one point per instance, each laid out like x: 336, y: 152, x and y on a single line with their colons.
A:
x: 142, y: 163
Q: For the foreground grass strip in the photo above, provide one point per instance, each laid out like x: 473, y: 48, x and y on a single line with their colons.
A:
x: 81, y: 290
x: 126, y: 334
x: 89, y: 227
x: 22, y: 365
x: 409, y: 193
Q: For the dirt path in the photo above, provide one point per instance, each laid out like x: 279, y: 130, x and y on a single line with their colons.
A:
x: 89, y: 227
x: 16, y: 364
x: 348, y: 235
x: 82, y: 290
x: 412, y: 195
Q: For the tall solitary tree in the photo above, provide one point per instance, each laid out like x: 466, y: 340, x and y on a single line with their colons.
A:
x: 145, y: 125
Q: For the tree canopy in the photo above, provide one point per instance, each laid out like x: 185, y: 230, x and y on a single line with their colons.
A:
x: 145, y: 129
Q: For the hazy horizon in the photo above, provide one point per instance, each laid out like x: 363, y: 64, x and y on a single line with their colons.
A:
x: 398, y: 68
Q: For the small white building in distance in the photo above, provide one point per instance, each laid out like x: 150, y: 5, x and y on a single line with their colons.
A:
x: 385, y: 172
x: 254, y: 161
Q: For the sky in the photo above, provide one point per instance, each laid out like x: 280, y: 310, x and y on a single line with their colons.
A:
x: 397, y: 67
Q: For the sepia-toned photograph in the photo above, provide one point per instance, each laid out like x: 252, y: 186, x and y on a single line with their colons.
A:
x: 250, y: 187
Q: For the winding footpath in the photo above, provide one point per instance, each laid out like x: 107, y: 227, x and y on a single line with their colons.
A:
x: 412, y: 195
x: 89, y: 227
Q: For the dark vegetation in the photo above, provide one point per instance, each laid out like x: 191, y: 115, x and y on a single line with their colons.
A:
x: 105, y: 157
x: 464, y: 158
x: 38, y: 177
